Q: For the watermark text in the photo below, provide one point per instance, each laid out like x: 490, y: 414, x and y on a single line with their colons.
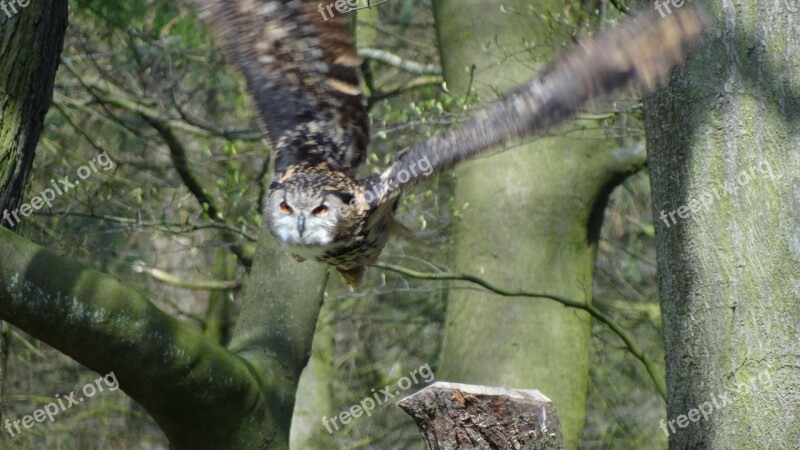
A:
x: 661, y: 5
x: 381, y: 397
x: 13, y: 6
x: 62, y: 403
x: 59, y: 187
x: 706, y: 199
x: 718, y: 401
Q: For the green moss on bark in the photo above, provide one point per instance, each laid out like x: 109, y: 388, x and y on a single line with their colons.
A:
x: 727, y: 127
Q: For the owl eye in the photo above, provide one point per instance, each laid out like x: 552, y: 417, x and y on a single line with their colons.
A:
x: 285, y: 207
x: 320, y: 210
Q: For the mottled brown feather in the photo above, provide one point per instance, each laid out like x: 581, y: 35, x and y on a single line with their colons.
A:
x: 303, y: 73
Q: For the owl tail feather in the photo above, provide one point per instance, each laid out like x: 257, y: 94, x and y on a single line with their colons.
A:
x: 353, y: 276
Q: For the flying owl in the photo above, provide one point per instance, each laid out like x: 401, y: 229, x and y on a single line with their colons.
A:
x: 302, y: 71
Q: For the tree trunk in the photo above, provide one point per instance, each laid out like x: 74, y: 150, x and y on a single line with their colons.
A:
x: 315, y: 390
x: 723, y: 142
x: 31, y: 40
x: 532, y: 223
x: 466, y: 417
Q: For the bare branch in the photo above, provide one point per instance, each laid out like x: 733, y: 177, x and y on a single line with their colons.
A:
x: 203, y: 285
x: 637, y: 352
x: 396, y: 61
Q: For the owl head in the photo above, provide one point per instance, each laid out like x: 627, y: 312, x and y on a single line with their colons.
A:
x: 308, y: 220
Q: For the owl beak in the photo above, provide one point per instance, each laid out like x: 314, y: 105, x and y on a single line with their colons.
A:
x: 301, y: 224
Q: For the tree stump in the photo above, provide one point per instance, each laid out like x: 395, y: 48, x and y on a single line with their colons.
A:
x: 463, y: 416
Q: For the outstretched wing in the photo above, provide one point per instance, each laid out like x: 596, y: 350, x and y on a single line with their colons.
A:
x: 639, y: 53
x: 303, y: 73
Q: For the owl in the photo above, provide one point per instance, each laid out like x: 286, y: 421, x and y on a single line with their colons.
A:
x: 302, y: 72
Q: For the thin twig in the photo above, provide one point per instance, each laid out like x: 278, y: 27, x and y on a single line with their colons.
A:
x: 658, y: 380
x: 166, y: 226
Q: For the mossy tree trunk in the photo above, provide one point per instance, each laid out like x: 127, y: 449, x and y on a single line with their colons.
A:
x: 532, y: 223
x: 31, y: 40
x: 723, y: 140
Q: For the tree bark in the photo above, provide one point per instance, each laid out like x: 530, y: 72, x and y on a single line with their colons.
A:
x: 465, y: 417
x: 31, y: 40
x: 533, y: 220
x: 315, y: 390
x: 276, y: 329
x: 725, y: 172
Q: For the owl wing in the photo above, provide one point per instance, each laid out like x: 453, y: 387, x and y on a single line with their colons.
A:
x: 303, y: 74
x: 638, y: 53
